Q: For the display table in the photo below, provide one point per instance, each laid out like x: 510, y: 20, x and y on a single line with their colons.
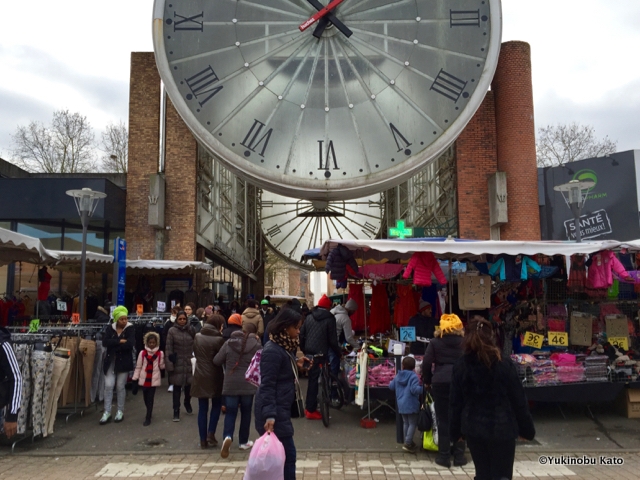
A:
x: 592, y: 392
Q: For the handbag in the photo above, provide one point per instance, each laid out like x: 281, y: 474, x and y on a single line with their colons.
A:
x: 297, y: 407
x: 425, y: 417
x: 252, y: 375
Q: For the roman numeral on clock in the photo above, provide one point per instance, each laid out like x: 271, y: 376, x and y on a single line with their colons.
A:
x: 401, y: 142
x: 369, y: 230
x: 182, y: 23
x: 253, y: 140
x: 202, y: 85
x: 464, y: 18
x: 449, y: 86
x: 273, y: 231
x: 325, y: 160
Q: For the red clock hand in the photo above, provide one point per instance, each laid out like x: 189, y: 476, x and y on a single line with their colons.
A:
x: 313, y: 19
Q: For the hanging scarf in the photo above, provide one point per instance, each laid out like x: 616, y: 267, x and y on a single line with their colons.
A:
x: 285, y: 341
x: 149, y: 368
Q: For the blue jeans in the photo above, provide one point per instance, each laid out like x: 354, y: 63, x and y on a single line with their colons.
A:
x: 244, y: 403
x: 290, y: 458
x: 203, y: 409
x: 409, y: 424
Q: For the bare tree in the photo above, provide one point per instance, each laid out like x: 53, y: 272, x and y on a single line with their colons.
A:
x: 560, y: 144
x: 65, y: 146
x: 115, y: 145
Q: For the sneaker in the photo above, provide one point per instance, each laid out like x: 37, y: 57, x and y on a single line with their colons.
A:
x: 211, y: 438
x: 170, y: 389
x: 188, y: 409
x: 176, y: 415
x: 246, y: 446
x: 226, y: 445
x: 411, y: 448
x: 119, y: 416
x: 106, y: 417
x: 313, y: 415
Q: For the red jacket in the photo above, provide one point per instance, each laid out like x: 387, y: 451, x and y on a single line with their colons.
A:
x: 423, y: 264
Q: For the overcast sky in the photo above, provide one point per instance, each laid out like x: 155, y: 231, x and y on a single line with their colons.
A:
x: 74, y: 54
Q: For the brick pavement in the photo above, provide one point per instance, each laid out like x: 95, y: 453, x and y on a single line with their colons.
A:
x: 310, y: 466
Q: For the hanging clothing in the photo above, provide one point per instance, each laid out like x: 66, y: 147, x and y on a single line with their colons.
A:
x: 45, y: 284
x: 380, y: 318
x: 338, y: 260
x: 356, y: 291
x: 422, y: 265
x: 513, y: 268
x: 406, y: 305
x: 578, y: 273
x: 601, y: 268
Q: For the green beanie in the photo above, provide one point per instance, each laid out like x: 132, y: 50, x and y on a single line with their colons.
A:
x: 119, y: 312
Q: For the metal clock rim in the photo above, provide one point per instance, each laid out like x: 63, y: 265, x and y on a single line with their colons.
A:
x: 322, y: 189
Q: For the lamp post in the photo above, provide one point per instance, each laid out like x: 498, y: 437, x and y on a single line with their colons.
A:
x: 86, y: 202
x: 575, y: 195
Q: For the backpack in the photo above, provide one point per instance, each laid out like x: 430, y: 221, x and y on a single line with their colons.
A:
x: 252, y: 375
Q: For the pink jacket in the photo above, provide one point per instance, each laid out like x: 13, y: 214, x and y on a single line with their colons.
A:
x: 600, y: 273
x: 423, y: 264
x: 141, y: 368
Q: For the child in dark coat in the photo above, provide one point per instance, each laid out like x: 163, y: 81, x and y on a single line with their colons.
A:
x: 408, y: 390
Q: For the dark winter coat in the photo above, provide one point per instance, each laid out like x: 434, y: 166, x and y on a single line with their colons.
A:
x: 444, y: 353
x: 276, y: 392
x: 228, y: 330
x: 319, y: 333
x: 267, y: 316
x: 178, y: 354
x: 425, y: 326
x: 236, y: 364
x: 208, y: 379
x: 337, y: 262
x: 488, y: 403
x: 408, y: 391
x: 121, y: 352
x: 195, y: 323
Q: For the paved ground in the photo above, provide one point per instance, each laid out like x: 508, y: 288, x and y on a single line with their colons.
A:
x: 83, y: 449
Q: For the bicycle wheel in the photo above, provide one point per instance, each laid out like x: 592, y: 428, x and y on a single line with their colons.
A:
x: 324, y: 400
x: 337, y: 400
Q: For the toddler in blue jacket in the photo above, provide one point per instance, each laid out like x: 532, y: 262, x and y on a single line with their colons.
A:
x: 408, y: 390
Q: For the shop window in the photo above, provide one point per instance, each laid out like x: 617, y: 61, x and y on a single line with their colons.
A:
x: 112, y: 240
x: 50, y: 236
x: 73, y: 240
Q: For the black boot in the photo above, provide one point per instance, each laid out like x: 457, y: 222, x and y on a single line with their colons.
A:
x: 459, y: 460
x: 443, y: 460
x: 176, y: 414
x: 147, y: 422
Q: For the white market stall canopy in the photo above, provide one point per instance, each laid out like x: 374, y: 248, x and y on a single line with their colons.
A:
x: 469, y: 249
x: 15, y: 247
x: 157, y: 267
x: 71, y: 261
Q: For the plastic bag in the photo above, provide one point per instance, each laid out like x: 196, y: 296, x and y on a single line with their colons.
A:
x: 428, y: 443
x: 266, y: 461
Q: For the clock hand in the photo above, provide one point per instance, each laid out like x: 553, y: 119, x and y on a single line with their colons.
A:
x: 314, y: 18
x: 329, y: 18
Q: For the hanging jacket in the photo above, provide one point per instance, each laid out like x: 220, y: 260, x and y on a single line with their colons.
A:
x: 237, y: 363
x: 408, y: 391
x: 208, y: 378
x: 601, y: 268
x: 423, y: 264
x: 178, y: 354
x: 513, y: 268
x: 122, y: 353
x: 337, y: 262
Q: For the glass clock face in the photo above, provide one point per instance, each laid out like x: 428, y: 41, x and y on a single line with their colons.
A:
x: 357, y: 102
x: 292, y: 226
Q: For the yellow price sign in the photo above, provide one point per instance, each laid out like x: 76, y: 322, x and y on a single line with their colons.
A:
x: 558, y: 339
x: 533, y: 340
x: 619, y: 342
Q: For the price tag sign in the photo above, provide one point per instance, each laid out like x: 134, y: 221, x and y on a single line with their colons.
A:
x: 75, y: 318
x: 34, y: 325
x: 407, y: 334
x: 162, y: 307
x: 558, y: 339
x: 139, y: 309
x: 533, y: 340
x: 111, y: 309
x: 173, y: 303
x: 619, y: 342
x: 61, y: 306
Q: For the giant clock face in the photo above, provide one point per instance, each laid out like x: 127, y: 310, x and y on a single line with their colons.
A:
x: 356, y: 103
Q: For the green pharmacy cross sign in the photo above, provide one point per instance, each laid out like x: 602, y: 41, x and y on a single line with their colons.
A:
x: 400, y: 230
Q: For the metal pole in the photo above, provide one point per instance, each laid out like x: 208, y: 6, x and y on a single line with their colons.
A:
x: 576, y: 221
x: 83, y: 264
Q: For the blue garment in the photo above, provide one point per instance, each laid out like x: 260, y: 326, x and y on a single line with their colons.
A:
x: 408, y: 391
x: 290, y: 458
x: 203, y: 409
x: 233, y: 403
x: 507, y: 267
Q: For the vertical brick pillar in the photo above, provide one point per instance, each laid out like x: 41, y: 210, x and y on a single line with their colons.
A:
x: 181, y: 155
x: 144, y: 131
x: 475, y: 163
x: 515, y: 129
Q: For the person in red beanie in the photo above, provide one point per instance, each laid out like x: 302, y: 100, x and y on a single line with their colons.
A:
x: 318, y: 335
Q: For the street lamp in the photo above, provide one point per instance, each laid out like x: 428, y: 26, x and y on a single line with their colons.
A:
x: 86, y: 203
x: 575, y: 195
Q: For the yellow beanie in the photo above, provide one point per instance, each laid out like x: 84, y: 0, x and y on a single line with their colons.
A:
x: 450, y: 322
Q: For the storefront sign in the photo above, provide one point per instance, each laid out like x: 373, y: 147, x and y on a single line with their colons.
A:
x: 558, y: 339
x: 592, y: 225
x: 619, y: 342
x: 533, y: 340
x: 119, y: 270
x: 407, y: 334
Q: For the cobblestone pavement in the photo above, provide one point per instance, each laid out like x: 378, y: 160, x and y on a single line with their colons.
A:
x: 310, y: 466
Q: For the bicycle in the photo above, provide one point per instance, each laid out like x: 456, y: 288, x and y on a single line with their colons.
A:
x: 328, y: 381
